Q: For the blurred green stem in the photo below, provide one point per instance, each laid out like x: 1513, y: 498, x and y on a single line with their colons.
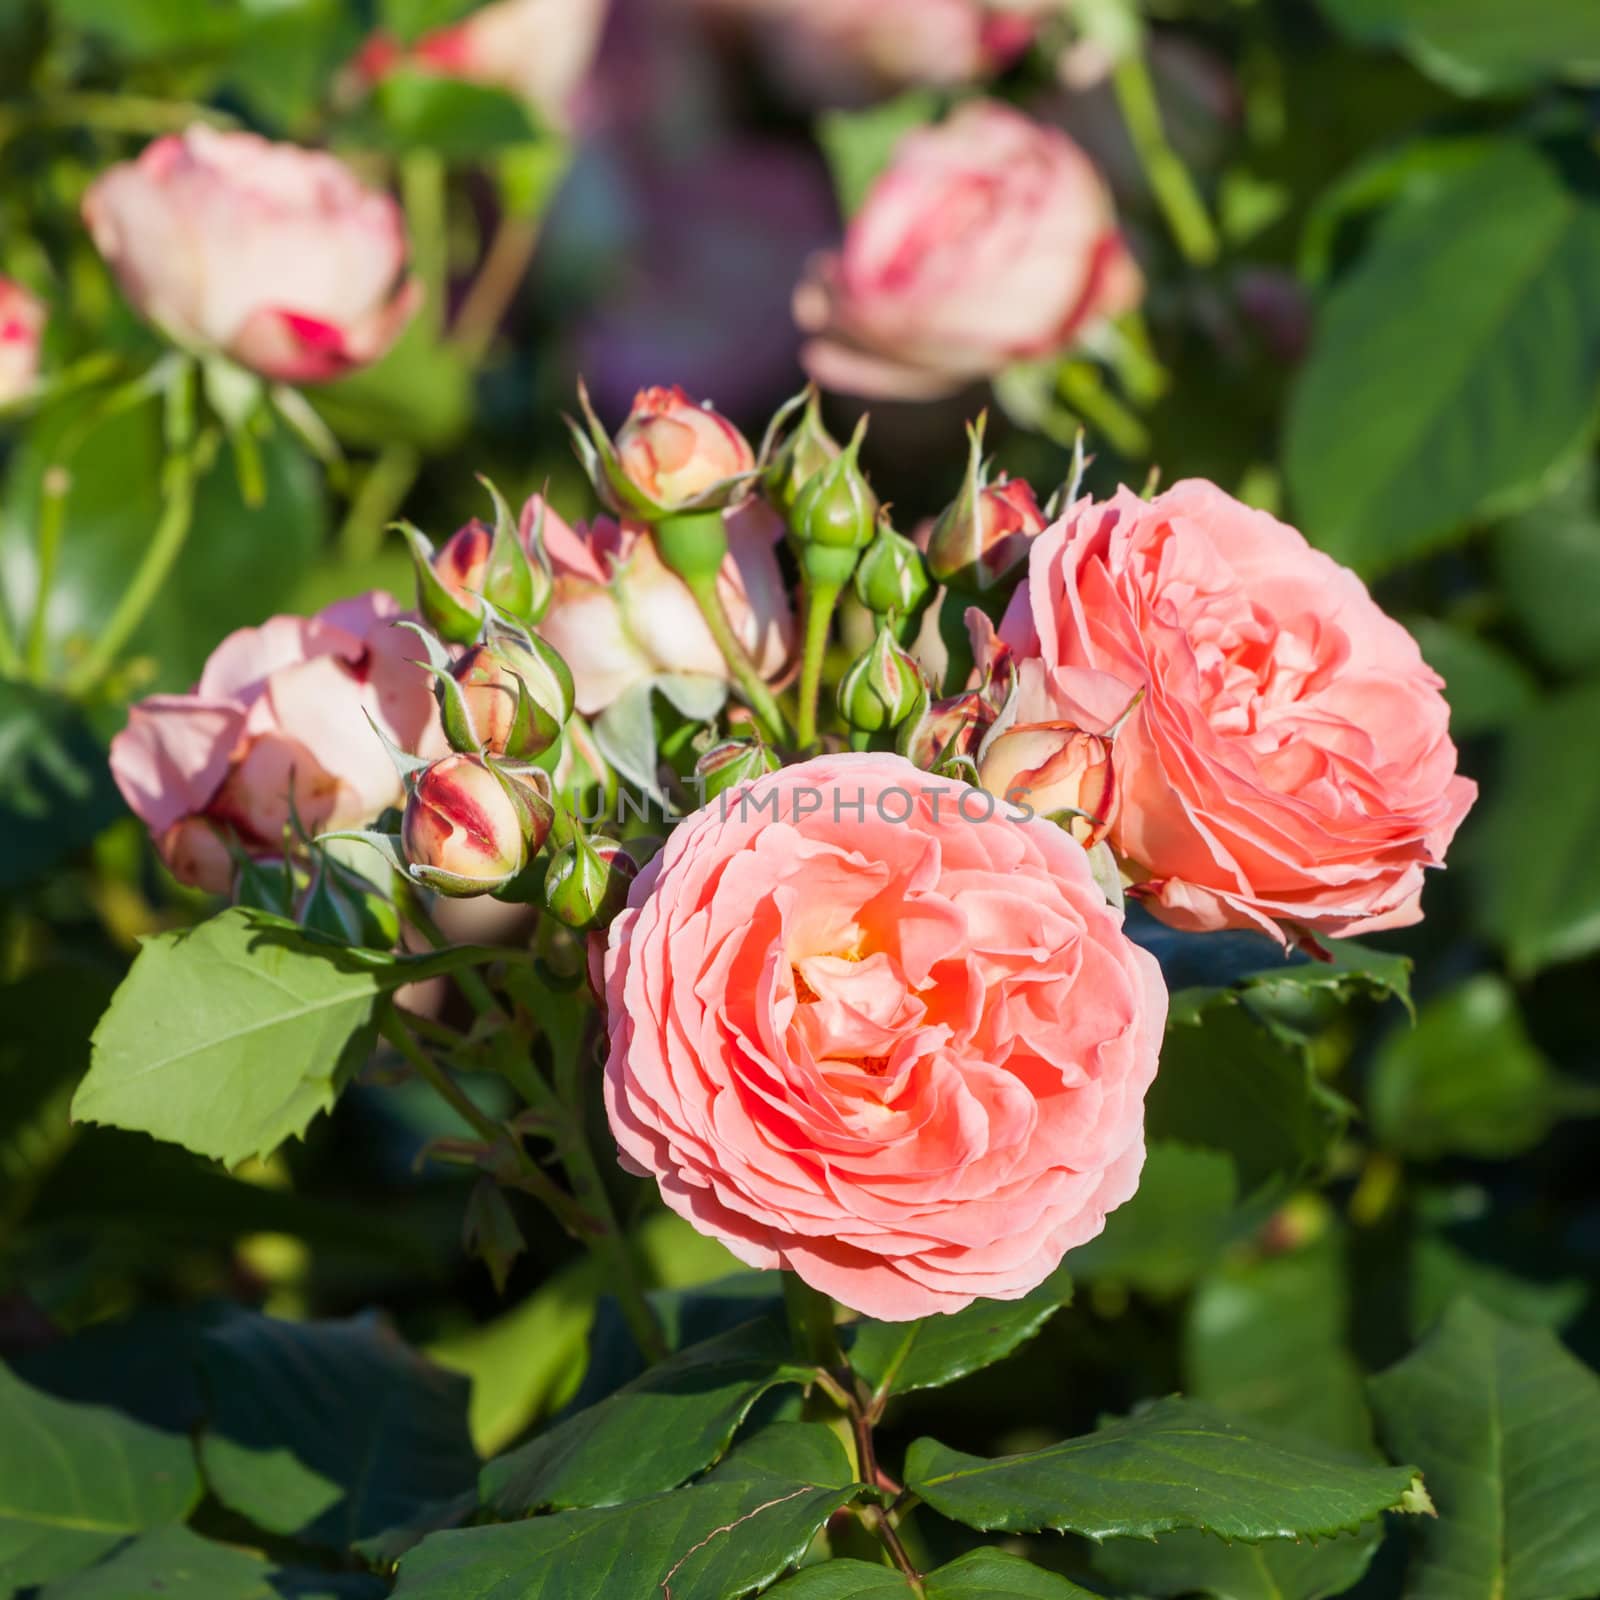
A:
x: 505, y: 266
x: 1083, y: 387
x: 383, y: 491
x: 53, y: 489
x: 813, y: 1329
x: 1170, y: 182
x: 160, y: 556
x: 821, y: 598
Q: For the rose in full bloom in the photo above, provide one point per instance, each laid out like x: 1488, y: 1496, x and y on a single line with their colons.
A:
x: 620, y: 618
x: 274, y: 256
x: 22, y: 320
x: 866, y: 1026
x: 539, y: 50
x: 989, y: 239
x: 1289, y: 767
x: 279, y: 709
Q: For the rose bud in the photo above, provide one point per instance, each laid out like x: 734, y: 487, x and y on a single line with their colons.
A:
x: 476, y: 564
x: 725, y: 766
x: 837, y: 508
x: 988, y: 240
x: 462, y: 833
x: 196, y: 852
x: 803, y: 453
x: 513, y: 698
x: 882, y: 688
x: 1052, y: 769
x: 22, y: 320
x: 983, y: 535
x: 288, y: 265
x: 945, y: 730
x: 892, y: 579
x: 675, y: 450
x: 587, y: 884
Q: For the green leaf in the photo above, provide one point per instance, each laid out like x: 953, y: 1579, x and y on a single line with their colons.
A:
x: 1184, y: 1211
x: 420, y: 394
x: 1467, y: 1080
x: 1456, y: 367
x: 719, y: 1539
x: 1194, y: 1564
x: 1536, y: 873
x: 458, y: 119
x: 653, y: 1433
x: 1226, y: 1083
x: 858, y: 145
x: 897, y: 1357
x: 56, y: 792
x: 1547, y: 567
x: 1487, y: 687
x: 230, y: 1037
x: 332, y: 1431
x: 154, y: 27
x: 1264, y: 1341
x: 979, y: 1575
x: 171, y: 1564
x: 1481, y: 46
x: 1176, y: 1464
x: 1507, y: 1426
x: 77, y: 1480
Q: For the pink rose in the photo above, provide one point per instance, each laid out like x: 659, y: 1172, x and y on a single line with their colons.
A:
x: 843, y: 50
x: 1290, y: 766
x: 278, y: 708
x: 620, y: 618
x: 538, y: 50
x: 275, y: 256
x: 22, y: 320
x: 903, y: 1053
x: 989, y: 240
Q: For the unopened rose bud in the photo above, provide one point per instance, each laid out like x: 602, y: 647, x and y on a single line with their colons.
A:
x: 515, y: 695
x: 945, y: 730
x: 675, y: 451
x: 892, y: 579
x: 22, y: 320
x: 985, y: 532
x: 462, y: 833
x: 450, y: 580
x: 882, y: 688
x: 196, y: 853
x: 836, y: 508
x: 725, y: 766
x: 587, y: 884
x: 1055, y: 770
x: 803, y: 453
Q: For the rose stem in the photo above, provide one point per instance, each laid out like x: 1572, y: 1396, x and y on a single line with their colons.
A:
x: 1169, y: 179
x: 820, y: 600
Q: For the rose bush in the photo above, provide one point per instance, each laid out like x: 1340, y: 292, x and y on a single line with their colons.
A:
x: 287, y: 264
x: 989, y: 239
x: 903, y: 1055
x: 1290, y: 766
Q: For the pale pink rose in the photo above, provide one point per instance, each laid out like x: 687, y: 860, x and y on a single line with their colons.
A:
x: 538, y: 50
x: 275, y: 256
x: 844, y: 50
x: 1055, y: 769
x: 281, y: 708
x: 22, y: 320
x: 1290, y: 766
x: 620, y: 618
x: 990, y: 239
x: 902, y: 1053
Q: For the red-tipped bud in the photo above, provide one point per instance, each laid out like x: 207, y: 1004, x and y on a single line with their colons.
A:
x: 675, y: 451
x: 462, y: 832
